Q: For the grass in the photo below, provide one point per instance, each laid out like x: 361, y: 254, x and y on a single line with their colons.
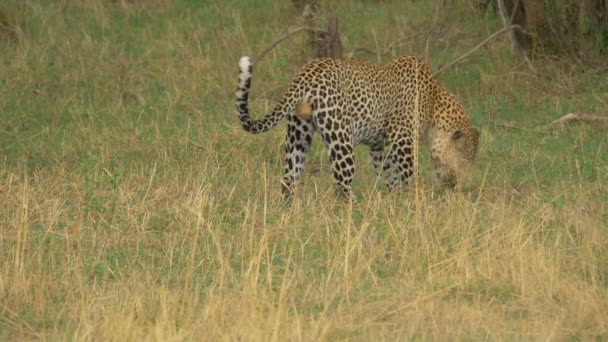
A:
x: 114, y: 227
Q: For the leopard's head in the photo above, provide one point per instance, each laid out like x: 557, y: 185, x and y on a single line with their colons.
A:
x: 453, y: 153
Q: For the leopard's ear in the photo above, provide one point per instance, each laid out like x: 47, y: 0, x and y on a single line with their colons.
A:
x: 459, y: 139
x: 457, y: 135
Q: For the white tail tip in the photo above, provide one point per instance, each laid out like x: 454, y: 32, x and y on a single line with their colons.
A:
x: 245, y: 63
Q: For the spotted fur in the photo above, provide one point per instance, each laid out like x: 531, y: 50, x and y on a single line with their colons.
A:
x: 388, y: 108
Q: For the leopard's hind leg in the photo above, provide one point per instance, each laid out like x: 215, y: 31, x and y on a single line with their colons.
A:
x: 297, y: 144
x: 336, y: 131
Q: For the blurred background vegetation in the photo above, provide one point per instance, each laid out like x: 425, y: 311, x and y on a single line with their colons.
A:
x: 568, y: 27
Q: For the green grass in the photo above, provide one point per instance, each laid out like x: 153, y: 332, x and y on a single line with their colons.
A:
x: 115, y: 226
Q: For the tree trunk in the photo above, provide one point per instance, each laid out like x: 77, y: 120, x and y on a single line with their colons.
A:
x: 506, y: 20
x: 324, y: 43
x: 594, y: 13
x: 565, y: 26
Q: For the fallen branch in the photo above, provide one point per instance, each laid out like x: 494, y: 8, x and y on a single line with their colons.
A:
x: 579, y: 117
x: 492, y: 36
x: 284, y: 37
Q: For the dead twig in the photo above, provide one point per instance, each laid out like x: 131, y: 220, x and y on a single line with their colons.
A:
x: 360, y: 49
x: 578, y: 117
x: 195, y: 144
x: 484, y: 42
x: 385, y: 50
x: 284, y: 37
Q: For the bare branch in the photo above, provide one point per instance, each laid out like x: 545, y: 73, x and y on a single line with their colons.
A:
x: 386, y: 49
x: 492, y: 36
x: 284, y: 37
x: 358, y: 50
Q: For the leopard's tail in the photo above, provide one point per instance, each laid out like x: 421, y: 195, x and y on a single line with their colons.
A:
x: 242, y: 104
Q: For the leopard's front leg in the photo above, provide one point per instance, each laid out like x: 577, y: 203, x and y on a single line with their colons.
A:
x: 402, y: 158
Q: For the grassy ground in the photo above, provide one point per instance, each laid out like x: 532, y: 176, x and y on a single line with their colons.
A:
x: 114, y: 226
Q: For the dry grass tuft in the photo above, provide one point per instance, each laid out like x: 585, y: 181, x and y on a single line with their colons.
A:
x: 10, y: 30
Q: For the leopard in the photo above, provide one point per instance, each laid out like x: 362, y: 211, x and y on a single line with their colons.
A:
x: 390, y: 108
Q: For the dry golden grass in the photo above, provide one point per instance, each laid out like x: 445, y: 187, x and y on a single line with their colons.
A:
x: 114, y: 226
